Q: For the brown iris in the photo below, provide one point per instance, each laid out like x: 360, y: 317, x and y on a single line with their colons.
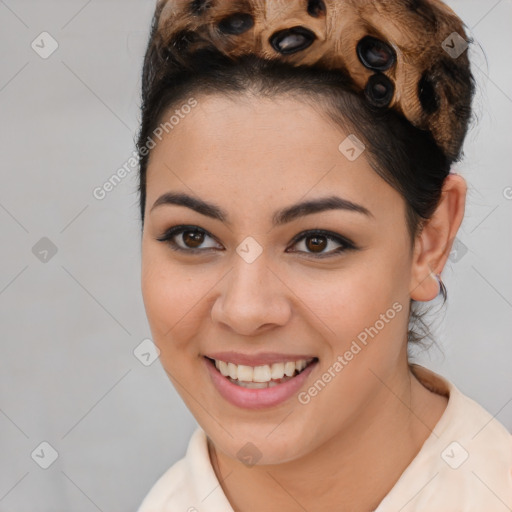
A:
x: 316, y: 243
x: 193, y: 238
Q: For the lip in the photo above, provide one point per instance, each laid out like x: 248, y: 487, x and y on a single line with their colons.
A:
x: 247, y: 398
x: 257, y: 359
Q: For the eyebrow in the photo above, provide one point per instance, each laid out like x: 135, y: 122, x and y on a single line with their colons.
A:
x: 280, y: 217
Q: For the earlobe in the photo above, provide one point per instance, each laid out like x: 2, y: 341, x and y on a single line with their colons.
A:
x: 425, y: 284
x: 433, y: 244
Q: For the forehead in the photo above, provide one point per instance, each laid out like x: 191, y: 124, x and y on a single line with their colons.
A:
x: 259, y: 150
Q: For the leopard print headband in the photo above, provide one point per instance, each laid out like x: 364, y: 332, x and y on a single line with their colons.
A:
x: 409, y: 55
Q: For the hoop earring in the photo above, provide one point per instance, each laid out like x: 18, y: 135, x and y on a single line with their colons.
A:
x: 442, y: 287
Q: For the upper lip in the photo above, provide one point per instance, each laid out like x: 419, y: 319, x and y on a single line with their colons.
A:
x: 260, y: 359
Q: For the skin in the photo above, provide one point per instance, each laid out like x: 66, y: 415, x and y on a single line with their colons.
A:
x: 369, y: 422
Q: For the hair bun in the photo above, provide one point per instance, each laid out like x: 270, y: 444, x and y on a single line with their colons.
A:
x: 403, y: 54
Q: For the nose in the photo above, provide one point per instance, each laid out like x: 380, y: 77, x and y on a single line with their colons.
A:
x: 252, y: 299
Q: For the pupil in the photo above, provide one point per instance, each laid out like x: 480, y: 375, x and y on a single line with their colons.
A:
x: 193, y: 238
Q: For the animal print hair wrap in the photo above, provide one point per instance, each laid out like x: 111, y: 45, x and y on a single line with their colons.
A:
x: 409, y: 55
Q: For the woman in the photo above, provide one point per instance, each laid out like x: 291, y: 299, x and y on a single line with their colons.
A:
x: 297, y: 204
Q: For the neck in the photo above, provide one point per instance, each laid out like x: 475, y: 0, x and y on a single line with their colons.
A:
x: 355, y: 469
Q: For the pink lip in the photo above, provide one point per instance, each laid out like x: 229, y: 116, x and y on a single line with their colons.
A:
x: 257, y: 398
x: 257, y: 359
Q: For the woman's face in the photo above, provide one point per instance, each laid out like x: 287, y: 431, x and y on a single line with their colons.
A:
x: 253, y: 285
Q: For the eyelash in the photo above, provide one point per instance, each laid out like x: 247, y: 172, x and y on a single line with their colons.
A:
x: 171, y: 233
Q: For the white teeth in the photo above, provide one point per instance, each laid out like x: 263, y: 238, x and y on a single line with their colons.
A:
x: 223, y: 367
x: 233, y: 372
x: 277, y: 371
x: 261, y: 374
x: 259, y: 385
x: 253, y: 385
x: 289, y: 369
x: 245, y: 373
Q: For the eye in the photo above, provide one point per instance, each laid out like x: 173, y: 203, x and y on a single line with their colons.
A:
x: 188, y: 239
x: 316, y: 241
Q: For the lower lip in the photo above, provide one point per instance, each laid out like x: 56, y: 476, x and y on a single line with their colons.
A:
x: 257, y: 398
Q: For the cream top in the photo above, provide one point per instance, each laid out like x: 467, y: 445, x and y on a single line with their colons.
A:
x: 465, y: 465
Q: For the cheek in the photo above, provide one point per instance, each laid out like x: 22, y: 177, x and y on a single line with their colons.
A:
x: 175, y: 300
x: 363, y: 309
x: 166, y: 295
x: 349, y: 299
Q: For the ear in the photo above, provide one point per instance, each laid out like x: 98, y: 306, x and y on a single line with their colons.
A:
x: 434, y: 243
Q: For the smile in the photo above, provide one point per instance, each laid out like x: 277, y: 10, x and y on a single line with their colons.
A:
x: 260, y: 377
x: 256, y: 387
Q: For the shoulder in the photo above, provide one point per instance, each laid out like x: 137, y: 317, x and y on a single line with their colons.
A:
x: 465, y: 464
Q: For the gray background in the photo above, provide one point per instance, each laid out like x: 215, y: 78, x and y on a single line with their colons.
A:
x: 70, y: 321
